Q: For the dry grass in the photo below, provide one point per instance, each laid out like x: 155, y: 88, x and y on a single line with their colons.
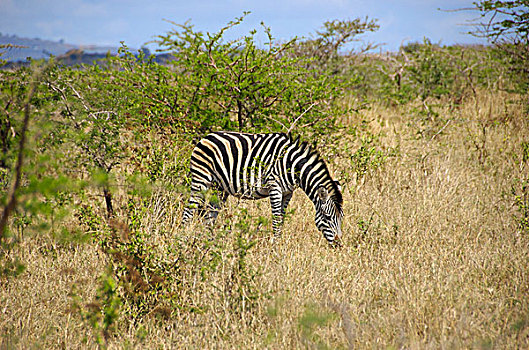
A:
x: 433, y: 256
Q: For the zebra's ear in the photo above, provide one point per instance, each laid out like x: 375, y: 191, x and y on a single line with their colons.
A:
x: 323, y: 194
x: 338, y: 185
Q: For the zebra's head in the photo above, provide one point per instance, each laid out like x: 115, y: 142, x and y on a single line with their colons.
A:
x: 329, y: 212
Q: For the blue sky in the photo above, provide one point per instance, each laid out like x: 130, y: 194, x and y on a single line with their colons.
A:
x: 135, y: 22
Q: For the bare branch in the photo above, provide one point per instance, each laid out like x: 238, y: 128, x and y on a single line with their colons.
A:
x: 11, y: 204
x: 301, y: 115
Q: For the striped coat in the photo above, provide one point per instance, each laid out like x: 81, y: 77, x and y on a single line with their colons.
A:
x: 254, y: 166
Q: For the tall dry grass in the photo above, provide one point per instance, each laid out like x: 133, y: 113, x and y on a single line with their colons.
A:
x: 433, y: 255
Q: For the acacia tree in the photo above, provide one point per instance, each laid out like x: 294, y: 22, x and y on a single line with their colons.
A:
x: 327, y: 47
x: 506, y: 24
x: 236, y: 85
x: 503, y: 20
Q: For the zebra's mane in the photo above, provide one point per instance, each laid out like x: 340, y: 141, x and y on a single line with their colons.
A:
x: 335, y: 193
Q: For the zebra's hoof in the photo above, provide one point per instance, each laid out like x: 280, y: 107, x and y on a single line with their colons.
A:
x: 275, y: 238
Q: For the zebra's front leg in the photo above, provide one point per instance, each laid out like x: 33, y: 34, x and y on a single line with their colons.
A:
x: 287, y: 196
x: 276, y: 202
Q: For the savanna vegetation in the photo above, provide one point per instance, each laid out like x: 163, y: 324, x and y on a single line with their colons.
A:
x: 431, y: 145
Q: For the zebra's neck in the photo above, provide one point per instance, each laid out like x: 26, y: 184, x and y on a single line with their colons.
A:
x: 307, y: 170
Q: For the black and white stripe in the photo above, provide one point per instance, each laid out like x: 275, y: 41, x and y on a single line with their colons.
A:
x: 254, y: 166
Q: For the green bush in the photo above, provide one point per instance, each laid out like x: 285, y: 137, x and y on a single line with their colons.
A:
x: 235, y: 85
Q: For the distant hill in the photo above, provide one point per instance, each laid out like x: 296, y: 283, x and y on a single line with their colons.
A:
x: 37, y: 48
x: 67, y: 54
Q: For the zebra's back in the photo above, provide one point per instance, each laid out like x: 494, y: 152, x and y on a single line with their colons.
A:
x: 238, y: 163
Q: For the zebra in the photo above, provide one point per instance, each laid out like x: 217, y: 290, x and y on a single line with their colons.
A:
x: 255, y: 166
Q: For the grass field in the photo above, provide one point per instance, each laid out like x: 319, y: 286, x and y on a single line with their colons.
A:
x: 435, y: 253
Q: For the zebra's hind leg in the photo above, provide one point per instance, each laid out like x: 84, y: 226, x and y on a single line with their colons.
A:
x: 207, y: 200
x: 196, y: 200
x: 216, y: 202
x: 190, y: 209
